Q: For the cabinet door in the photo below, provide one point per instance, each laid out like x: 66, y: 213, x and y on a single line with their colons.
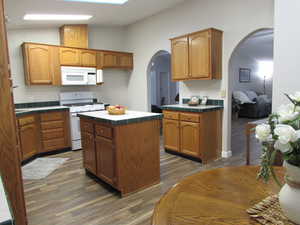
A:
x: 190, y: 138
x: 29, y: 139
x: 126, y: 61
x: 69, y: 57
x: 180, y: 58
x: 74, y: 36
x: 88, y: 58
x: 39, y: 64
x: 171, y: 134
x: 110, y: 60
x: 105, y: 154
x: 199, y: 55
x: 89, y: 152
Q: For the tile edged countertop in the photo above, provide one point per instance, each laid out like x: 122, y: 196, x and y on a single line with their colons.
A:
x: 26, y: 111
x: 187, y: 108
x: 127, y: 118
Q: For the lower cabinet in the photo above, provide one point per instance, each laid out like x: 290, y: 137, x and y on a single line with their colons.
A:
x: 89, y: 153
x: 43, y: 132
x: 29, y: 136
x: 171, y: 134
x: 190, y: 138
x: 105, y: 159
x: 194, y: 134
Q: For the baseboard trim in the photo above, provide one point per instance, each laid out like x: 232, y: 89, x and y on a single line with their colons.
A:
x: 226, y: 154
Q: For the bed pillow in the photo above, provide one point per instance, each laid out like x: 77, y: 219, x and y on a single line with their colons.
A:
x: 241, y: 97
x: 252, y: 95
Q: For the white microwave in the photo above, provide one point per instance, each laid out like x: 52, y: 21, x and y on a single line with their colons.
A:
x: 78, y: 75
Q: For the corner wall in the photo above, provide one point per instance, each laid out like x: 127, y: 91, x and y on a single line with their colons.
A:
x: 236, y: 18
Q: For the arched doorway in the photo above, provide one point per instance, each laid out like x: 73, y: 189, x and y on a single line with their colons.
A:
x: 161, y: 89
x: 250, y: 85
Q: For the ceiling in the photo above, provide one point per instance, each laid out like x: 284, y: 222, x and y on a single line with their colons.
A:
x: 258, y: 46
x: 103, y: 14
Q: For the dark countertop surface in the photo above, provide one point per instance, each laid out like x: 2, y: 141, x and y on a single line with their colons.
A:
x: 187, y: 108
x: 26, y: 111
x: 128, y: 117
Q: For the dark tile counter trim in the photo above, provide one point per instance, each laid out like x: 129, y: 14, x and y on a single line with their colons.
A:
x: 36, y: 104
x: 39, y: 111
x: 124, y: 122
x: 7, y: 222
x: 188, y: 109
x: 209, y: 101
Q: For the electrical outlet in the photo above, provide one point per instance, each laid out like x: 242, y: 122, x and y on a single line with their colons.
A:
x: 223, y: 93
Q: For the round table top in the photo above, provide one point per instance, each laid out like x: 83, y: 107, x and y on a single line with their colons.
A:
x: 219, y: 196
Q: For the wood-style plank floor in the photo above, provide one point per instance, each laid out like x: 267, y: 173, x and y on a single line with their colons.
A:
x: 69, y: 197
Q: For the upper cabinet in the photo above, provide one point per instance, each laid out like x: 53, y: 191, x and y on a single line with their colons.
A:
x: 77, y: 57
x: 40, y: 63
x: 118, y: 60
x: 69, y: 57
x: 74, y: 36
x: 180, y: 58
x: 197, y: 56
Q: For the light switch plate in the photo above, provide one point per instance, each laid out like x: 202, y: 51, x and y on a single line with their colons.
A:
x: 223, y: 93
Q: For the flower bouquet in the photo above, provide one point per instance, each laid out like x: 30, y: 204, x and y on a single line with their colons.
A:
x: 282, y: 133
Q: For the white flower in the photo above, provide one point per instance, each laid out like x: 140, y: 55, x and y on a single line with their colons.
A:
x: 286, y: 135
x: 287, y: 113
x: 263, y: 132
x: 295, y: 96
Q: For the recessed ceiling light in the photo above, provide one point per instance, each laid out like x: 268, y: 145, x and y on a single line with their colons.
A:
x: 115, y: 2
x: 56, y: 17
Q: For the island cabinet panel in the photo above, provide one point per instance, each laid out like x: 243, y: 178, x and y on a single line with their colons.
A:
x: 29, y: 136
x: 105, y: 153
x: 198, y: 135
x: 127, y: 155
x: 89, y: 154
x: 171, y: 134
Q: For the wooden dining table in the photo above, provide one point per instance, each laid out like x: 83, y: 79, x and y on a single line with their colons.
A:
x: 214, y: 197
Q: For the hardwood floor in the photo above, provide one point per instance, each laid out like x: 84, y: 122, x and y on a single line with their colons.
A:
x: 69, y: 197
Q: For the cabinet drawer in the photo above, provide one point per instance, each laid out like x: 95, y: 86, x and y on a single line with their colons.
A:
x: 54, y: 144
x: 26, y: 120
x: 87, y: 127
x: 190, y: 117
x: 171, y: 115
x: 52, y: 125
x: 52, y: 116
x: 53, y: 134
x: 104, y: 131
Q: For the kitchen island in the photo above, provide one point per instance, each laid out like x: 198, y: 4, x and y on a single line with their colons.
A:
x: 122, y: 150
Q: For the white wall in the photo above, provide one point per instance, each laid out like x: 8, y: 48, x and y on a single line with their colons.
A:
x: 235, y: 17
x: 286, y: 50
x: 116, y: 81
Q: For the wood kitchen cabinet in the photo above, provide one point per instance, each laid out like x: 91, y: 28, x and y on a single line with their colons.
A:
x: 29, y: 136
x: 180, y: 58
x: 88, y: 58
x: 115, y: 60
x: 128, y: 164
x: 70, y: 57
x: 197, y: 56
x: 40, y: 64
x: 197, y: 135
x: 105, y: 153
x: 171, y: 134
x: 74, y: 35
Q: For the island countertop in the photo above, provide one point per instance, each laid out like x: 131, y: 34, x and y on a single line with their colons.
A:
x: 187, y: 108
x: 127, y: 118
